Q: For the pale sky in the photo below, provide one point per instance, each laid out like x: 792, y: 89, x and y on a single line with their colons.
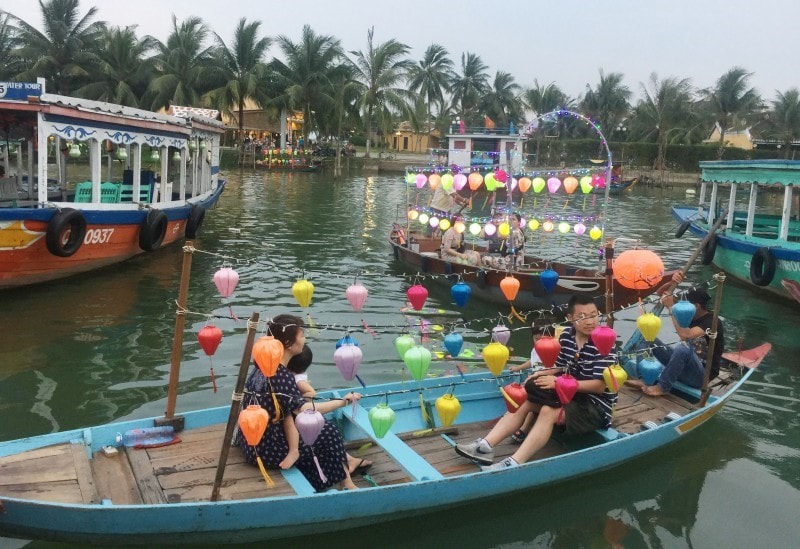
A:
x: 561, y: 41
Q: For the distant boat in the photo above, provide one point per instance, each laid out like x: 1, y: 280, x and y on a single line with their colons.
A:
x: 758, y: 248
x: 51, y: 231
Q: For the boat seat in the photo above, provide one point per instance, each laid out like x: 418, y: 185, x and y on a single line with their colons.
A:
x: 687, y: 390
x: 126, y: 193
x: 297, y: 481
x: 109, y: 192
x: 610, y: 434
x: 410, y: 461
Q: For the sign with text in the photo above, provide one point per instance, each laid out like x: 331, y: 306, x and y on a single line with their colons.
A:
x: 19, y: 91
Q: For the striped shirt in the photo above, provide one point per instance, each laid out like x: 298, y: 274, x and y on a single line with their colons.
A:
x: 587, y: 364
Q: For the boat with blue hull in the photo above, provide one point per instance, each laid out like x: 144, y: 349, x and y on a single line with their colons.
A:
x: 759, y: 241
x: 79, y: 486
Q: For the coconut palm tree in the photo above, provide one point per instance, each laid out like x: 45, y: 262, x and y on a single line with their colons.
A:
x: 785, y: 118
x: 731, y: 102
x: 183, y: 65
x: 608, y: 102
x: 380, y: 71
x: 242, y: 70
x: 122, y: 73
x: 502, y: 102
x: 64, y: 51
x: 543, y: 99
x: 304, y: 79
x: 431, y: 77
x: 12, y: 64
x: 469, y: 86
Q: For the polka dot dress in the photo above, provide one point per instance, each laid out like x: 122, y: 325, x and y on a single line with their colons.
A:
x: 329, y: 446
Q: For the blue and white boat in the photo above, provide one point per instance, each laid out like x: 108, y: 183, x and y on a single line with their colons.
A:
x: 759, y: 242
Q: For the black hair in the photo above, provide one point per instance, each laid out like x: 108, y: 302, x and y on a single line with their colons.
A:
x: 299, y: 363
x: 578, y: 299
x: 285, y: 328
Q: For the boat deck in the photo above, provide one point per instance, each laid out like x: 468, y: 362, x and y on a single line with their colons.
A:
x: 185, y: 471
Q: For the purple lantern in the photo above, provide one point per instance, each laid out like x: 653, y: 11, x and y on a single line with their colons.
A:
x: 501, y: 333
x: 309, y: 425
x: 348, y: 359
x: 226, y: 280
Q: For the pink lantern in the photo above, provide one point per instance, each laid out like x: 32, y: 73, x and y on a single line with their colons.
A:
x: 226, y: 280
x: 421, y: 180
x: 553, y: 184
x: 599, y: 182
x: 501, y: 175
x: 309, y: 425
x: 356, y: 294
x: 604, y: 338
x: 566, y: 387
x: 579, y: 228
x: 501, y: 333
x: 459, y: 181
x: 417, y: 295
x: 348, y: 359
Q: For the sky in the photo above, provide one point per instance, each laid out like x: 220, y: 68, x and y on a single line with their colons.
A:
x: 566, y: 42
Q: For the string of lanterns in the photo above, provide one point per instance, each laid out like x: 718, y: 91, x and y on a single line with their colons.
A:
x: 452, y: 178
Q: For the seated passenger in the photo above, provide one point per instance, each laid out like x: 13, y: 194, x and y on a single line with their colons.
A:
x: 453, y: 248
x: 505, y: 252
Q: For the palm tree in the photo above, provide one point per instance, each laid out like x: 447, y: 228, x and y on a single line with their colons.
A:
x: 380, y: 71
x: 469, y: 86
x: 502, y: 102
x: 121, y: 74
x: 731, y: 102
x: 785, y: 118
x: 12, y: 64
x: 608, y: 102
x: 543, y: 99
x: 666, y: 107
x: 64, y: 52
x: 243, y: 71
x: 431, y: 77
x: 183, y: 65
x: 305, y: 78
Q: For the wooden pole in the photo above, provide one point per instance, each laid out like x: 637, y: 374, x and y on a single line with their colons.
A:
x: 236, y: 404
x: 705, y: 391
x: 609, y: 255
x: 177, y: 340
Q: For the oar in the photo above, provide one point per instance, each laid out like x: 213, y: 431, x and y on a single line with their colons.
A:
x: 705, y: 392
x: 636, y: 337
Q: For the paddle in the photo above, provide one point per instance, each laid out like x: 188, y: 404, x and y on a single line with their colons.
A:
x: 636, y: 337
x: 705, y: 392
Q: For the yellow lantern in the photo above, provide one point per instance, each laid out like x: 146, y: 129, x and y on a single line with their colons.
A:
x: 495, y: 355
x: 595, y: 233
x: 649, y: 324
x: 615, y: 377
x: 303, y: 290
x: 444, y: 224
x: 533, y: 224
x: 448, y: 408
x: 413, y: 214
x: 504, y: 229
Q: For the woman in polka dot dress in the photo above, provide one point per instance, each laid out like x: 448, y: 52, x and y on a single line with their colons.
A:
x: 280, y: 445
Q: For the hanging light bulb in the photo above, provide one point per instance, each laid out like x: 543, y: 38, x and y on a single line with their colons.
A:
x: 122, y: 154
x: 177, y: 156
x: 202, y: 144
x: 154, y: 156
x: 192, y: 145
x: 74, y: 151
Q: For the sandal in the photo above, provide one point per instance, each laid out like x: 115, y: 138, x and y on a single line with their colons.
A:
x: 518, y: 436
x: 362, y: 467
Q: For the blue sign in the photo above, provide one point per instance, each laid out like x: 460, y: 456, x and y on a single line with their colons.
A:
x: 19, y: 91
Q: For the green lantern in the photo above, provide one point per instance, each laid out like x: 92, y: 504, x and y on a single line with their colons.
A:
x: 122, y: 154
x: 74, y: 151
x: 417, y: 360
x: 154, y: 155
x: 381, y: 417
x: 403, y: 343
x: 176, y: 156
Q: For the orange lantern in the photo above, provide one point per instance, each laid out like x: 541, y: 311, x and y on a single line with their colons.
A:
x: 475, y: 180
x: 524, y: 184
x: 268, y: 352
x: 638, y: 269
x: 434, y: 180
x: 570, y: 184
x: 510, y: 287
x: 253, y: 421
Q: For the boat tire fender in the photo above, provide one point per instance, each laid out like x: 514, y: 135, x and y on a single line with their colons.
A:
x: 195, y: 220
x: 709, y: 250
x: 682, y: 229
x: 762, y: 267
x: 152, y: 230
x: 65, y: 232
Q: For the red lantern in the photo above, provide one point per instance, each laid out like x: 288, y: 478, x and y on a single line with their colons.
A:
x: 515, y: 395
x: 638, y: 269
x: 417, y: 295
x: 253, y: 421
x: 604, y: 338
x: 268, y: 352
x: 209, y: 338
x: 547, y: 348
x: 510, y: 287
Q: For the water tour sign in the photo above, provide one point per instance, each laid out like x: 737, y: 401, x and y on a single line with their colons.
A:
x: 19, y: 91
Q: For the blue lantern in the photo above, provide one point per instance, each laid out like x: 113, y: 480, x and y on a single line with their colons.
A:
x: 453, y: 343
x: 549, y: 279
x: 347, y: 340
x: 460, y: 292
x: 649, y: 369
x: 683, y: 312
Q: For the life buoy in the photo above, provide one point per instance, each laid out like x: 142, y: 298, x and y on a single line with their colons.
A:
x: 682, y: 229
x: 152, y: 230
x: 762, y: 267
x: 65, y: 232
x: 195, y: 220
x: 709, y: 250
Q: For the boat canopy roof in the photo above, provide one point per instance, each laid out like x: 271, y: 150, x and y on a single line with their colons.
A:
x: 761, y: 172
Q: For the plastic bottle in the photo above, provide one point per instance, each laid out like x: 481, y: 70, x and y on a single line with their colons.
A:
x: 149, y: 436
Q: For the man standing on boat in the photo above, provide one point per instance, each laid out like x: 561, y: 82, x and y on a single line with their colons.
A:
x: 444, y: 201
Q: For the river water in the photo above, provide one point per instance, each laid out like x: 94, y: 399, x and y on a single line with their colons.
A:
x: 96, y: 348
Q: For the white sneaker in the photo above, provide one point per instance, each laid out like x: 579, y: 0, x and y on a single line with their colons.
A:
x: 503, y: 464
x: 475, y: 452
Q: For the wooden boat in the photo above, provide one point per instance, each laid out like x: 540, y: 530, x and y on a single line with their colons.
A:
x: 46, y: 234
x: 757, y: 248
x: 76, y: 486
x: 420, y: 254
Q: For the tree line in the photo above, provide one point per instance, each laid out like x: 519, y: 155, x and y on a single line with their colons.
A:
x: 368, y: 91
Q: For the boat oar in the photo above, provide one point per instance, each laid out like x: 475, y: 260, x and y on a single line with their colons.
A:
x: 636, y: 337
x: 236, y: 405
x: 705, y: 392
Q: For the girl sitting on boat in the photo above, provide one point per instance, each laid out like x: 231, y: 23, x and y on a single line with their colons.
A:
x: 454, y: 249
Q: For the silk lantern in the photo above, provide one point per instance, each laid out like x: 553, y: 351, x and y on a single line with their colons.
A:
x: 309, y: 424
x: 553, y: 184
x: 267, y: 352
x: 548, y: 349
x: 563, y: 227
x: 346, y: 340
x: 403, y: 343
x: 434, y: 180
x: 548, y: 226
x: 683, y: 312
x: 474, y: 229
x: 348, y: 359
x: 381, y: 418
x: 460, y: 292
x: 649, y: 324
x: 549, y: 279
x: 209, y: 337
x: 253, y: 422
x: 586, y: 184
x: 524, y: 184
x: 357, y: 295
x: 453, y: 342
x: 649, y: 369
x: 515, y: 395
x: 638, y: 269
x: 475, y: 181
x: 510, y: 287
x: 595, y: 233
x: 447, y: 181
x: 538, y: 184
x: 566, y: 387
x: 410, y: 178
x: 490, y: 182
x: 417, y: 359
x: 417, y: 295
x: 226, y: 280
x: 495, y: 355
x: 303, y: 291
x: 570, y: 184
x: 501, y: 175
x: 579, y: 228
x: 501, y: 333
x: 459, y: 181
x: 447, y: 408
x: 420, y: 180
x: 599, y: 182
x: 604, y: 338
x: 615, y: 377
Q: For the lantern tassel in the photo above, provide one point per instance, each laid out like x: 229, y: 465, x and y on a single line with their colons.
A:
x: 213, y: 380
x: 322, y: 476
x: 233, y: 316
x: 369, y: 330
x: 521, y: 200
x: 509, y: 399
x: 425, y: 417
x: 514, y: 314
x: 267, y: 478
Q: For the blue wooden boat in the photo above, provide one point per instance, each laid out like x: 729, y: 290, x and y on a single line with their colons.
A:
x: 758, y: 245
x: 75, y: 486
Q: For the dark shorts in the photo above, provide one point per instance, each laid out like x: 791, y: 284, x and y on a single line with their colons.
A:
x: 582, y: 416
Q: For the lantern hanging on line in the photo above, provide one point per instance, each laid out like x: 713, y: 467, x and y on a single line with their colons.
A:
x: 683, y: 312
x: 495, y: 355
x: 310, y: 424
x: 604, y: 338
x: 348, y: 359
x: 357, y: 295
x: 403, y: 343
x: 447, y: 408
x: 267, y: 352
x: 417, y: 295
x: 453, y: 342
x: 381, y: 418
x: 510, y: 287
x: 638, y: 269
x: 615, y: 377
x: 566, y: 387
x: 303, y: 291
x: 226, y: 279
x: 515, y: 395
x: 548, y: 349
x: 417, y: 359
x: 501, y: 333
x: 460, y: 292
x: 210, y: 337
x: 253, y: 422
x: 649, y: 368
x: 649, y: 324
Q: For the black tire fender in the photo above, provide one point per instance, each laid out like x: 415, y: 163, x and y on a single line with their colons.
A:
x: 65, y: 232
x: 152, y: 230
x: 762, y: 267
x: 195, y: 220
x: 709, y: 249
x: 682, y: 229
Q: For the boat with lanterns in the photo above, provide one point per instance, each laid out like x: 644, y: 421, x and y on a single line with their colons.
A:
x: 759, y: 245
x: 169, y: 179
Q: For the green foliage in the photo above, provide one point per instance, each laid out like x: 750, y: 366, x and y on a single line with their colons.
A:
x: 358, y: 140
